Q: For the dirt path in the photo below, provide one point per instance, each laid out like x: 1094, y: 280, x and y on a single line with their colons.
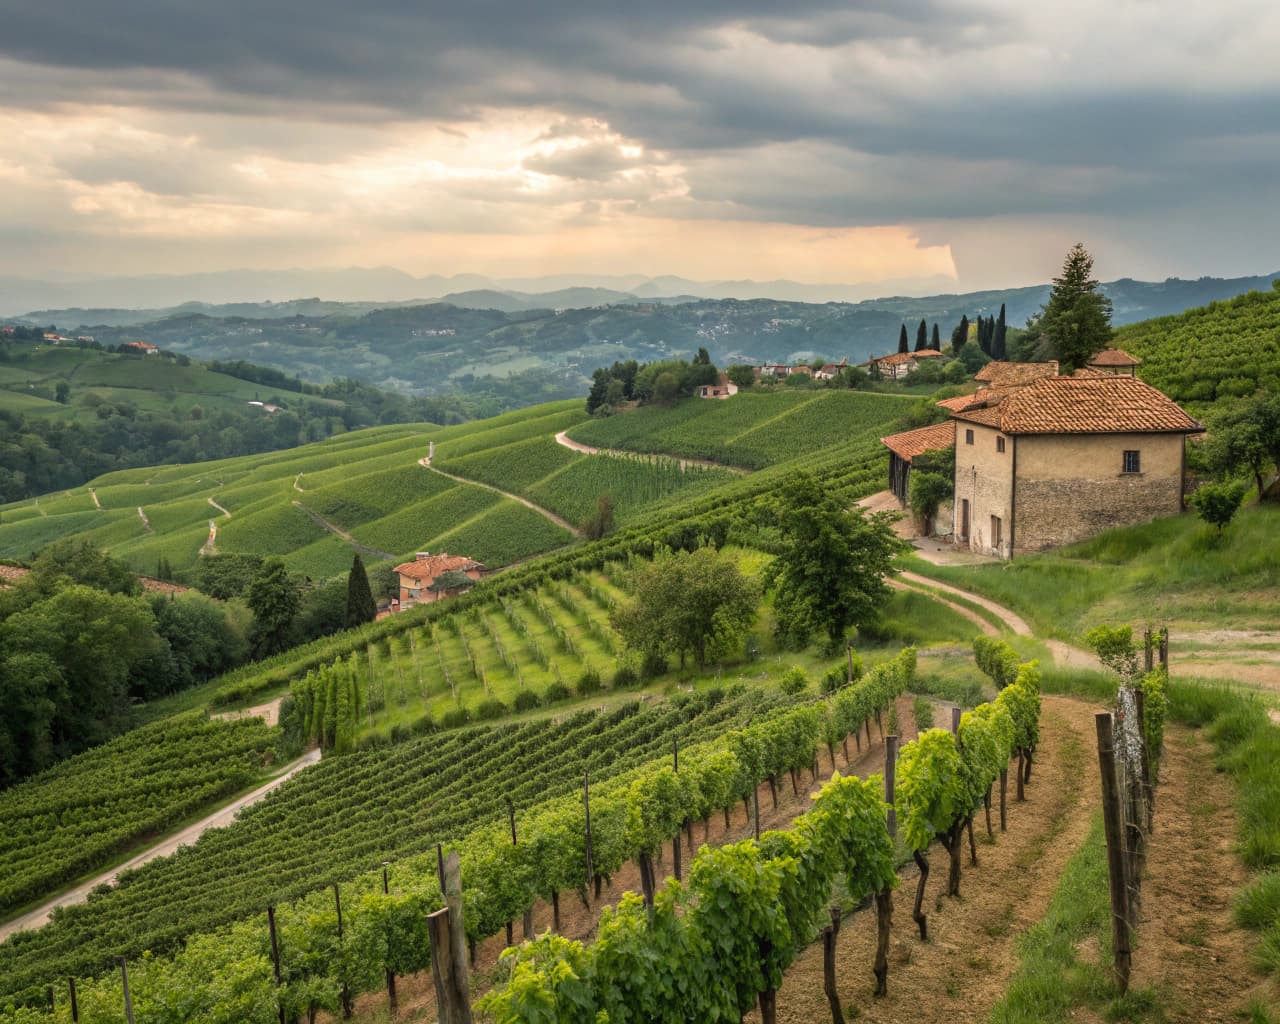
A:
x: 564, y: 440
x: 220, y: 508
x: 208, y: 548
x: 146, y: 523
x: 546, y: 514
x: 959, y: 609
x: 295, y: 483
x: 94, y: 495
x: 342, y: 534
x: 219, y: 818
x: 1188, y: 946
x: 972, y: 952
x: 268, y: 712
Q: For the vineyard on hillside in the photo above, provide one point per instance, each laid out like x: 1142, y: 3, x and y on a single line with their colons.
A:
x: 344, y: 816
x: 76, y: 816
x: 367, y: 483
x: 1224, y: 350
x: 748, y: 430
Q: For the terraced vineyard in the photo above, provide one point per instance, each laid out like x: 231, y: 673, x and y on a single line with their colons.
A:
x: 750, y: 430
x: 75, y: 817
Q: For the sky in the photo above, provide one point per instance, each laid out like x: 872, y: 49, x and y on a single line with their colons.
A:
x: 910, y: 142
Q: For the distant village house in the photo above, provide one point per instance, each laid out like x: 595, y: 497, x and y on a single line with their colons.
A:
x: 723, y: 388
x: 141, y: 348
x: 902, y: 364
x: 1114, y: 360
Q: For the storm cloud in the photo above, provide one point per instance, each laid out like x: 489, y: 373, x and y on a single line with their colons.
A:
x: 995, y: 127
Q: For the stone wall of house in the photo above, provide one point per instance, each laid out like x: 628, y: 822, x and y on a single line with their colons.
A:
x: 984, y: 478
x: 1073, y: 486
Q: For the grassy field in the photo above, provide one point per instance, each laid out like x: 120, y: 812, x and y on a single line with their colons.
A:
x: 1172, y: 570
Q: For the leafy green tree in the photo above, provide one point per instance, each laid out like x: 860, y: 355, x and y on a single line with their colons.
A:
x: 274, y: 599
x: 928, y: 492
x: 691, y: 602
x: 62, y: 392
x: 741, y: 375
x: 600, y: 522
x: 1217, y: 504
x: 82, y: 561
x: 1076, y: 321
x: 830, y: 572
x: 361, y: 606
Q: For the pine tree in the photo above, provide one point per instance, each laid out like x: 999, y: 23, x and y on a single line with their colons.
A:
x: 936, y: 344
x: 1077, y: 318
x: 361, y: 606
x: 903, y: 346
x: 922, y: 336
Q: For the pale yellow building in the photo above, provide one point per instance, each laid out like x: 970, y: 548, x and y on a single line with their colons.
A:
x: 1062, y: 458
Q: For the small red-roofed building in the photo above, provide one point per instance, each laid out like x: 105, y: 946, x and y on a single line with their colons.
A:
x: 1063, y: 458
x: 1114, y: 360
x: 723, y: 388
x: 418, y: 579
x: 902, y: 364
x: 910, y: 445
x: 140, y: 347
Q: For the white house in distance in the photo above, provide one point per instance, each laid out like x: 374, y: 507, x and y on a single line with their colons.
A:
x: 902, y: 364
x: 723, y: 388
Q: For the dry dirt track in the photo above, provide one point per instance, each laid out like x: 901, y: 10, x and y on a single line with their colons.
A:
x: 218, y: 819
x: 426, y: 464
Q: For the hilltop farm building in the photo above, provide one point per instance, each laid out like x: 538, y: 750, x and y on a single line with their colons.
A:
x: 1043, y: 460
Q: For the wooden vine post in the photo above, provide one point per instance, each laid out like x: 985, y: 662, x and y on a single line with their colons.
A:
x: 449, y: 950
x: 884, y: 897
x: 275, y: 958
x: 829, y: 936
x: 586, y: 810
x: 1112, y: 819
x: 345, y: 994
x: 128, y: 998
x: 75, y: 1006
x: 393, y: 1002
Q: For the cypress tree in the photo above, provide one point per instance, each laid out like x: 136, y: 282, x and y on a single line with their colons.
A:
x: 936, y: 344
x: 922, y: 336
x: 361, y: 606
x: 998, y: 347
x: 903, y: 345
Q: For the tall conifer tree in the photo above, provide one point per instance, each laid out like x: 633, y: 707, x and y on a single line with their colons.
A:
x: 1077, y: 318
x: 922, y: 336
x: 361, y: 606
x: 903, y: 344
x: 936, y: 343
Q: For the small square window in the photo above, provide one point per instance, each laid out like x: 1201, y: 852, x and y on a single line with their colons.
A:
x: 968, y: 437
x: 999, y: 444
x: 1132, y: 462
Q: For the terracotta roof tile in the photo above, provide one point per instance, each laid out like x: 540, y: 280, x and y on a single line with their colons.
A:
x: 1083, y: 405
x: 959, y: 402
x: 906, y: 357
x: 1012, y: 375
x: 911, y: 443
x: 1114, y: 357
x: 431, y: 566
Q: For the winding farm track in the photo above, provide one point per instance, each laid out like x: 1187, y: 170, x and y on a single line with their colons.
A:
x: 342, y: 534
x: 220, y: 818
x: 425, y: 463
x: 565, y: 441
x: 219, y: 508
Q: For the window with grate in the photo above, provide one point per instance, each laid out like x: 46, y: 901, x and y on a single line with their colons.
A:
x: 1132, y: 462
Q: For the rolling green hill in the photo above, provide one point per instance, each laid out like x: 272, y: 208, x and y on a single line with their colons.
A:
x: 1224, y: 350
x: 366, y: 490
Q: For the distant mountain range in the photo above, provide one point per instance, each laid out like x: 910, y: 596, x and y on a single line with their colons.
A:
x: 124, y: 301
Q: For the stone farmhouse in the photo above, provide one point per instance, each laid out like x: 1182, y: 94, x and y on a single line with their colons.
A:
x: 902, y: 364
x: 723, y: 388
x: 418, y: 578
x: 1052, y: 460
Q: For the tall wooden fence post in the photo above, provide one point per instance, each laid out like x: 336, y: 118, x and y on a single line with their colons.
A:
x: 75, y: 1006
x: 128, y: 998
x: 345, y: 994
x: 1113, y: 824
x: 891, y: 780
x: 393, y: 1003
x: 275, y: 958
x: 755, y: 809
x: 1147, y: 654
x: 458, y: 931
x: 829, y: 936
x: 586, y: 810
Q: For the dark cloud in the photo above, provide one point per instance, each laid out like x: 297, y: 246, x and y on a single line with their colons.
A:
x: 817, y: 112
